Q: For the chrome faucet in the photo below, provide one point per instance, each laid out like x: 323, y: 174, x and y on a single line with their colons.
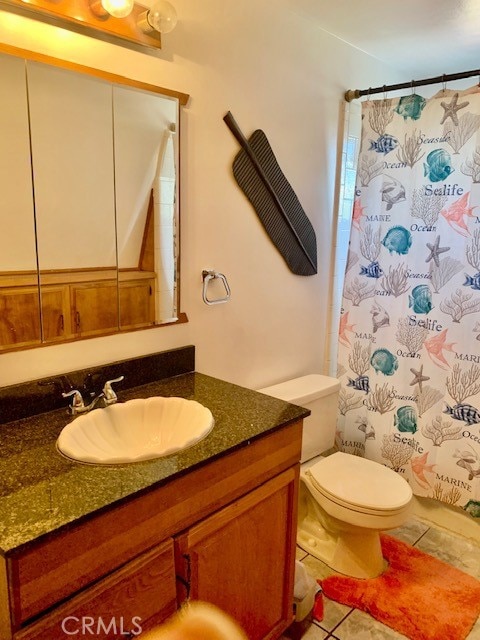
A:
x: 107, y: 395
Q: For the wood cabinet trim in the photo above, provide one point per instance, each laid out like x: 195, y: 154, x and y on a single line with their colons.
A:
x: 99, y: 73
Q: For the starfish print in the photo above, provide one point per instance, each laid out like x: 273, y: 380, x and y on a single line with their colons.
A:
x: 452, y: 108
x: 435, y: 251
x: 343, y: 328
x: 419, y: 378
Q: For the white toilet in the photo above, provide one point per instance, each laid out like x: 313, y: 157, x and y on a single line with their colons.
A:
x: 344, y: 501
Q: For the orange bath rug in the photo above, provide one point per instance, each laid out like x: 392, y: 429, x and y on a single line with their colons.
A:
x: 419, y: 596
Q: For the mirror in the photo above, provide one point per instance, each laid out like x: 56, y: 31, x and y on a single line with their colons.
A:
x: 88, y: 202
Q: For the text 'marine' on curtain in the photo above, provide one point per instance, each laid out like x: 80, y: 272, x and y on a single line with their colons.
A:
x: 409, y: 336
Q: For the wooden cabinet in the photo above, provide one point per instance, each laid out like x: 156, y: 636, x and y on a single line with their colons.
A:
x: 73, y: 305
x: 19, y: 316
x: 20, y: 323
x: 241, y: 558
x: 226, y: 529
x: 137, y: 303
x: 94, y: 307
x: 133, y: 598
x: 56, y: 319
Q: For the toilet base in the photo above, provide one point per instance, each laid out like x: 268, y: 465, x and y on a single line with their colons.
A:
x: 344, y: 547
x: 355, y: 554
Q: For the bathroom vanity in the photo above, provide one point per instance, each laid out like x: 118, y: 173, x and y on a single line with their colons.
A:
x: 116, y: 549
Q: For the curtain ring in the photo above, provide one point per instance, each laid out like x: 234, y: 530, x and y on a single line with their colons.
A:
x: 413, y: 87
x: 368, y: 94
x: 444, y: 83
x: 384, y: 91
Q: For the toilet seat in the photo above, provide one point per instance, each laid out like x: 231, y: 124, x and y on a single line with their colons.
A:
x: 360, y: 484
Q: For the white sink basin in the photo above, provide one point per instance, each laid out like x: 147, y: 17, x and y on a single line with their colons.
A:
x: 141, y: 429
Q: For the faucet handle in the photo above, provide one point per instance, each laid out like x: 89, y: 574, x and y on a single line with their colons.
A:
x: 77, y: 401
x: 108, y: 393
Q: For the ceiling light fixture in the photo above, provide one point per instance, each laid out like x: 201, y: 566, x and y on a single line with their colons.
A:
x: 119, y: 21
x: 118, y: 8
x: 161, y: 17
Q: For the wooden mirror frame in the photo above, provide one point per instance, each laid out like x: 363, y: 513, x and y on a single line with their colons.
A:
x: 121, y: 81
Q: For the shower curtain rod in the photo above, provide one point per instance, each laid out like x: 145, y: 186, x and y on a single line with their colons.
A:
x: 352, y: 94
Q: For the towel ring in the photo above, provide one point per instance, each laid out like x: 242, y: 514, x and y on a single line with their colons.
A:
x: 209, y: 275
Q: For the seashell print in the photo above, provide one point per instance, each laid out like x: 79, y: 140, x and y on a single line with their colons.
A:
x: 438, y: 165
x: 384, y: 144
x: 398, y: 240
x: 421, y: 299
x: 380, y: 317
x: 410, y: 106
x: 384, y: 361
x: 366, y: 428
x: 468, y: 456
x: 392, y: 192
x: 406, y: 419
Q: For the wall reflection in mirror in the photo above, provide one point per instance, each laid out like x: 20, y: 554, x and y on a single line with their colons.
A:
x: 88, y: 204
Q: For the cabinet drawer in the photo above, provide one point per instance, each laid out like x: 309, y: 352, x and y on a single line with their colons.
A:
x: 135, y: 597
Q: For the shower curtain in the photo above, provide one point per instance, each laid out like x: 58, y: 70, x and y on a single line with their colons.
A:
x: 409, y: 335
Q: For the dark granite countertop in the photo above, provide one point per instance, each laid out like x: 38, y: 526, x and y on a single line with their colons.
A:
x: 41, y: 491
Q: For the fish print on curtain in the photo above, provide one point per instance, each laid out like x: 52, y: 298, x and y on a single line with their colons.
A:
x: 409, y: 338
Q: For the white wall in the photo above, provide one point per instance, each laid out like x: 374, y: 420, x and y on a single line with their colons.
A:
x: 275, y: 71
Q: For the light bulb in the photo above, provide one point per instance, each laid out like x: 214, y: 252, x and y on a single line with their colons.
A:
x: 118, y: 8
x: 162, y: 17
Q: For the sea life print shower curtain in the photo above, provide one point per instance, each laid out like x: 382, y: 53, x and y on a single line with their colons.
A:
x: 409, y: 337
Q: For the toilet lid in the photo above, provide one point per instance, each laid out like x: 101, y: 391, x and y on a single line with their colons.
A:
x: 360, y: 482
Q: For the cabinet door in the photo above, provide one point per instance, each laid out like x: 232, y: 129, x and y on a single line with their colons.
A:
x: 19, y: 316
x: 56, y: 317
x: 137, y: 303
x: 242, y: 558
x: 94, y: 307
x: 132, y: 599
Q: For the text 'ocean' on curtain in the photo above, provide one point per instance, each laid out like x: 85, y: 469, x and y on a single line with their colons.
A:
x: 409, y: 337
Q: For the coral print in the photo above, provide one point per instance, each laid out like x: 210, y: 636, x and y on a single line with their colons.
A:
x: 409, y: 336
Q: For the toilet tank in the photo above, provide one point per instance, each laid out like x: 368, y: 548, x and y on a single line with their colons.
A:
x: 319, y: 394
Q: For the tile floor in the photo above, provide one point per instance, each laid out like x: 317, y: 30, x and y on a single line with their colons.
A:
x: 344, y: 623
